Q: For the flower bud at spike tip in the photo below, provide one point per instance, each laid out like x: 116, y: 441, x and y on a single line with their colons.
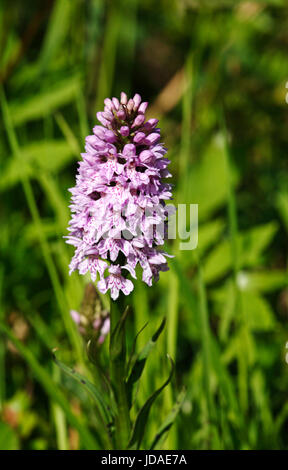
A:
x: 118, y: 211
x: 123, y: 98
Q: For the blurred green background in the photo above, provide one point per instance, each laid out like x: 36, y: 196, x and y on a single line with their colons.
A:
x: 214, y: 72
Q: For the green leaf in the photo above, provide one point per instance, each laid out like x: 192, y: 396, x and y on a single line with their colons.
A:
x: 262, y: 401
x: 49, y: 155
x: 258, y: 313
x: 255, y: 241
x: 235, y: 345
x: 168, y: 422
x: 31, y: 232
x: 262, y: 281
x: 44, y: 103
x: 282, y: 206
x: 210, y: 192
x: 8, y: 438
x: 105, y: 407
x: 250, y: 245
x: 142, y: 417
x: 140, y: 361
x: 209, y: 233
x: 132, y: 352
x: 51, y: 389
x: 225, y: 381
x: 187, y: 294
x: 57, y: 30
x: 116, y: 343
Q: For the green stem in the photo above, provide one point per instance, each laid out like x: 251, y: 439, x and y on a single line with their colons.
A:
x: 2, y: 346
x: 243, y: 362
x: 117, y: 374
x: 59, y: 416
x: 32, y: 205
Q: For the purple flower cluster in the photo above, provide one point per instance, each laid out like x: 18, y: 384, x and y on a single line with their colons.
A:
x: 118, y: 208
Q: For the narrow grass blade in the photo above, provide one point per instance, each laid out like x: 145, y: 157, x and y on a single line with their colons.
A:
x: 243, y: 379
x: 51, y: 389
x: 132, y: 352
x: 2, y: 348
x: 116, y: 348
x: 59, y: 417
x: 142, y: 417
x: 168, y: 422
x: 31, y: 202
x: 105, y: 409
x: 140, y: 361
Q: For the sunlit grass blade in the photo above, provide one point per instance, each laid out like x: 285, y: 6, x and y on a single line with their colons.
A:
x: 108, y: 56
x: 28, y: 191
x: 162, y: 432
x: 56, y: 32
x: 105, y: 408
x: 2, y: 346
x: 59, y: 417
x: 234, y: 240
x: 184, y: 161
x: 140, y: 361
x: 82, y: 115
x: 206, y: 342
x: 142, y: 417
x: 45, y: 102
x: 51, y: 389
x: 68, y: 134
x: 132, y: 354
